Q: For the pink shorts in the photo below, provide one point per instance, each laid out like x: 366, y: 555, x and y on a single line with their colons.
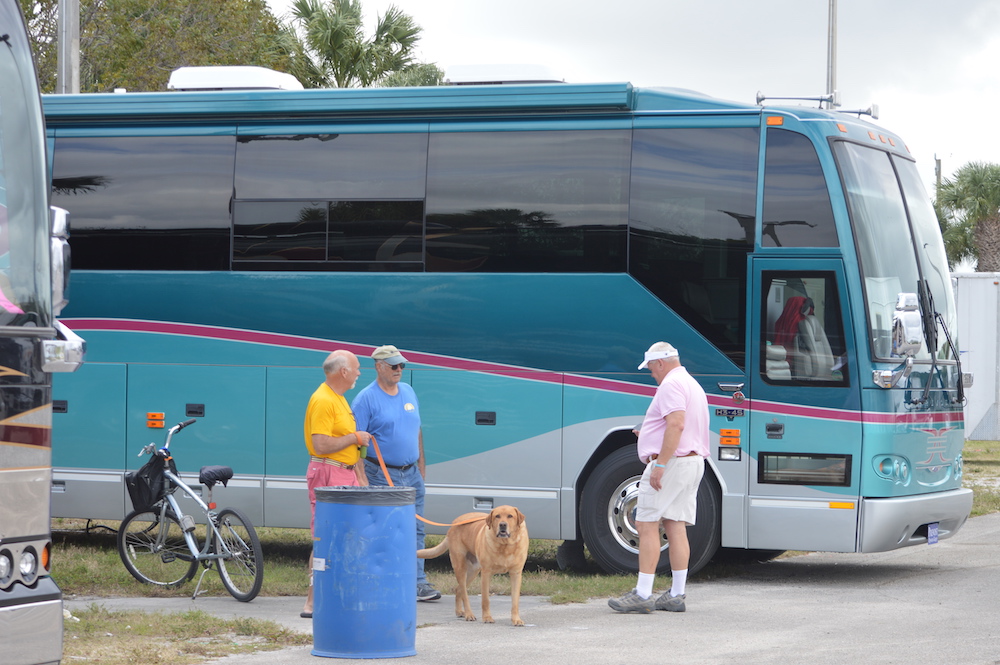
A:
x: 326, y: 475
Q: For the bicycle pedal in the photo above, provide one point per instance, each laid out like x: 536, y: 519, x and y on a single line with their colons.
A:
x: 168, y: 557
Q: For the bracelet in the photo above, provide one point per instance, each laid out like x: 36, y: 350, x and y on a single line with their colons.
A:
x: 659, y: 466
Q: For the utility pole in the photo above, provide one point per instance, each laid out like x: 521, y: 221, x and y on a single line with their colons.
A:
x: 68, y: 74
x: 831, y: 56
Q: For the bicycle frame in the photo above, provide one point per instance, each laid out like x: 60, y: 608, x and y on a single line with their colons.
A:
x: 211, y: 529
x: 229, y: 536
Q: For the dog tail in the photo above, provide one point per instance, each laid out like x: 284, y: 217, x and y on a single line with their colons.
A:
x: 432, y: 552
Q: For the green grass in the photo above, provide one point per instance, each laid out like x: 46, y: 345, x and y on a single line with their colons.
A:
x: 86, y: 563
x: 982, y: 475
x: 99, y: 635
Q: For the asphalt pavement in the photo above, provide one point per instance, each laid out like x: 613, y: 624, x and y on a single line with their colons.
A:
x: 926, y: 605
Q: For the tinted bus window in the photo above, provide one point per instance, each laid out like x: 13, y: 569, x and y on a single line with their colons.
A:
x: 797, y: 210
x: 331, y: 166
x: 146, y: 203
x: 322, y: 231
x: 553, y: 201
x: 692, y: 225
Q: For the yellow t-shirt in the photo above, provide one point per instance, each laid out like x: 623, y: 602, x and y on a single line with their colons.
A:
x: 328, y: 413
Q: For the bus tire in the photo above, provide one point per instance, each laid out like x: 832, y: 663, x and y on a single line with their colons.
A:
x: 607, y: 516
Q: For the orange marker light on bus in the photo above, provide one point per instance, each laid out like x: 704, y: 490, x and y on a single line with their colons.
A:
x: 155, y: 424
x: 156, y: 416
x: 775, y: 121
x: 842, y: 127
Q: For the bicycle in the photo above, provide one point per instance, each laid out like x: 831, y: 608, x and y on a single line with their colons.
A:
x: 158, y: 544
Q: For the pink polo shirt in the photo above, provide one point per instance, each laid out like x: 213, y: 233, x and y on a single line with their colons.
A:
x: 677, y: 392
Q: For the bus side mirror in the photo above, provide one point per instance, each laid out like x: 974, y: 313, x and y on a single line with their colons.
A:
x: 907, y: 326
x: 60, y: 259
x: 907, y: 336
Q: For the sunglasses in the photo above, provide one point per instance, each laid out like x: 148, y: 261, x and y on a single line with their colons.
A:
x: 394, y: 367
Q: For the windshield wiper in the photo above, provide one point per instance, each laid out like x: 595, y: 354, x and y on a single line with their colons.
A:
x: 931, y: 317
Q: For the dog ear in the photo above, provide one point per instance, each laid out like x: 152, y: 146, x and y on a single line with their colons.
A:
x: 520, y: 517
x: 489, y: 520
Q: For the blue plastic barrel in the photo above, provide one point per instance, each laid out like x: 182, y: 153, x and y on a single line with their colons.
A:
x: 364, y: 572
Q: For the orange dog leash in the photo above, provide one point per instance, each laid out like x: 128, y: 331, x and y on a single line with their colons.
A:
x: 385, y: 472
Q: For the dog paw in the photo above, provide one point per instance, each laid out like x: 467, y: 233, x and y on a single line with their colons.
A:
x: 517, y: 622
x: 470, y: 617
x: 487, y: 619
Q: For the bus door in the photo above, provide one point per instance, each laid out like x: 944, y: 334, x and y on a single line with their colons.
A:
x: 805, y: 427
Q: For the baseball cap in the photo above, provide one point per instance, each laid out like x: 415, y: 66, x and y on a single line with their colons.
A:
x: 389, y: 354
x: 658, y: 351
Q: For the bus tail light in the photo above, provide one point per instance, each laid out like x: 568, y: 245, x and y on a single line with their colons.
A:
x: 46, y: 563
x: 28, y: 565
x: 6, y: 568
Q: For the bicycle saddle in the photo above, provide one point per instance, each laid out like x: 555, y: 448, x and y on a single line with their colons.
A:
x: 209, y: 475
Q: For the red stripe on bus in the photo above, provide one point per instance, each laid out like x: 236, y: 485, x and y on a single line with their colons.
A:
x: 26, y: 435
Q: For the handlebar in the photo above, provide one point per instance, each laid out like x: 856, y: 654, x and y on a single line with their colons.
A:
x: 150, y: 448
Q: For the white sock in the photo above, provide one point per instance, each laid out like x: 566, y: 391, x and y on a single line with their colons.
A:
x: 644, y: 587
x: 679, y: 581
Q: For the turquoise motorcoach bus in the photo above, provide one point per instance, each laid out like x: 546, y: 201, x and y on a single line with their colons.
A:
x: 33, y: 344
x: 523, y: 245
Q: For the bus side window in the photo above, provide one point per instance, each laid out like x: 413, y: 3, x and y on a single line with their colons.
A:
x: 803, y: 340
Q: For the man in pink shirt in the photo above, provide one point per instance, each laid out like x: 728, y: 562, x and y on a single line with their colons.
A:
x: 673, y: 444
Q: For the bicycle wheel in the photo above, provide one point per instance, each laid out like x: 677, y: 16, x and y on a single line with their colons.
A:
x: 154, y: 550
x: 242, y: 567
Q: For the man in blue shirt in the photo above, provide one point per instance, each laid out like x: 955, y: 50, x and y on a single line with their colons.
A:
x: 388, y: 409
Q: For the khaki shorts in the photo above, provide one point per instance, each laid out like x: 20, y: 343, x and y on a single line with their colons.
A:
x: 677, y: 499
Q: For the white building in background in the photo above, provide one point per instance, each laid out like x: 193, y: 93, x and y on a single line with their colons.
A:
x: 978, y: 302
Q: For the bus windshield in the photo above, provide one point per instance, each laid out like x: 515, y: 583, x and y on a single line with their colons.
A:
x: 24, y: 243
x: 895, y: 227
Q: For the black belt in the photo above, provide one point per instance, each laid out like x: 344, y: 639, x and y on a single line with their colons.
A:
x: 391, y: 466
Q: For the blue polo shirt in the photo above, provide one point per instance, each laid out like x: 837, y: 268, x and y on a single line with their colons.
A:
x: 394, y: 421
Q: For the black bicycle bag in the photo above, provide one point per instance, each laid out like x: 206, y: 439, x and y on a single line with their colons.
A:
x: 147, y: 486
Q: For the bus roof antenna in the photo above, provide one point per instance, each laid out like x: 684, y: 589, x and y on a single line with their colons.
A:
x: 832, y: 98
x: 872, y: 111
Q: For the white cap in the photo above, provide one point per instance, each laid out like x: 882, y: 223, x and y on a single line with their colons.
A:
x: 658, y: 351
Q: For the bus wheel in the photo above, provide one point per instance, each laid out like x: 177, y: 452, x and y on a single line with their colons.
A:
x: 607, y: 516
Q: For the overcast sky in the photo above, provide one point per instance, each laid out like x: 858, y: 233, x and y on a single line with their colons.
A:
x: 933, y: 67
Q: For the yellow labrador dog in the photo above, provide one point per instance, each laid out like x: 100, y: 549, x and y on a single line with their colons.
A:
x: 496, y: 544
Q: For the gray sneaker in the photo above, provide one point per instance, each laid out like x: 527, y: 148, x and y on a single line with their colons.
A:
x: 427, y: 592
x: 671, y: 603
x: 632, y: 602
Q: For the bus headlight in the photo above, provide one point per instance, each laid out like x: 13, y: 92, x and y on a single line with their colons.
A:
x: 894, y: 468
x: 28, y: 566
x: 6, y: 568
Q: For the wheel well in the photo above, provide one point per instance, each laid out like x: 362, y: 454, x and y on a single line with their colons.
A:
x: 612, y: 442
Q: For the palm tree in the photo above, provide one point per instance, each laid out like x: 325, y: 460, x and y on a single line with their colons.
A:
x: 972, y: 197
x: 334, y: 50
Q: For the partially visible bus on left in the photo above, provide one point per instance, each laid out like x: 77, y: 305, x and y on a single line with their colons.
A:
x: 34, y: 264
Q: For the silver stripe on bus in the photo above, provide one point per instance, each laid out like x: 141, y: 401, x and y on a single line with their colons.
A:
x: 495, y: 491
x: 823, y: 504
x: 94, y: 476
x: 285, y: 484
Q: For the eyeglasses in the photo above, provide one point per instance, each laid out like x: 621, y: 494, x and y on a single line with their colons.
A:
x: 394, y: 367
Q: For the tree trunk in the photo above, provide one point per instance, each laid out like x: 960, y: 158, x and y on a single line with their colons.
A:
x: 988, y: 244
